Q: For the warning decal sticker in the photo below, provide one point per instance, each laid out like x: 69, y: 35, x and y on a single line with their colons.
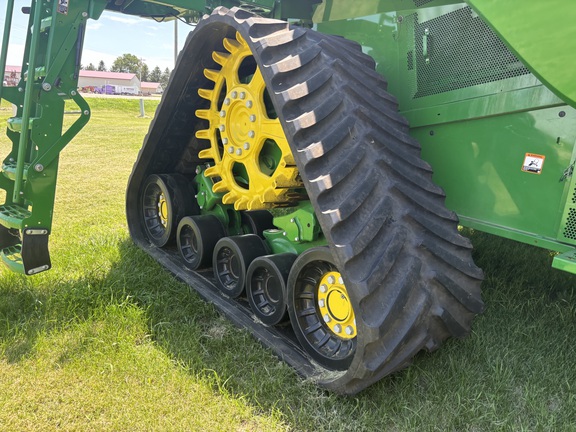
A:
x: 533, y: 163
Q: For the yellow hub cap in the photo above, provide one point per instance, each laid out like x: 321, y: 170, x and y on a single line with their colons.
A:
x: 163, y: 210
x: 335, y: 306
x: 253, y: 164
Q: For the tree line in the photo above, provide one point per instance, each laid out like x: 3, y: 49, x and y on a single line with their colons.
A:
x: 129, y: 63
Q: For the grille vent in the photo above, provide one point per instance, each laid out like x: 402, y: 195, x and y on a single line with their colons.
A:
x: 419, y: 3
x: 410, y: 60
x: 463, y: 52
x: 570, y: 228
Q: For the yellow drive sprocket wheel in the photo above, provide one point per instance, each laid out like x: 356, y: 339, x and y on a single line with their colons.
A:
x: 252, y: 162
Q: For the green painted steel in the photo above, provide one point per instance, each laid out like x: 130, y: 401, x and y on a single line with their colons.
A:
x: 486, y: 86
x: 542, y: 34
x: 565, y: 261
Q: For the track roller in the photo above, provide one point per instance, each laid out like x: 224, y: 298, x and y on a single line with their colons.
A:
x: 166, y: 198
x: 231, y: 258
x: 320, y: 309
x: 266, y: 287
x: 196, y: 238
x: 257, y: 221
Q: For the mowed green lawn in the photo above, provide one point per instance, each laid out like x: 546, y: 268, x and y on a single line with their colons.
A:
x: 108, y: 340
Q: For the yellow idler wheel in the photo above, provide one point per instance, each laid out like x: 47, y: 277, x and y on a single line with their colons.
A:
x: 252, y: 161
x: 335, y: 306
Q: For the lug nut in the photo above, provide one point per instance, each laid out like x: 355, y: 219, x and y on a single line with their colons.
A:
x: 230, y: 149
x: 222, y: 113
x: 321, y: 303
x: 323, y: 288
x: 234, y: 94
x: 296, y: 239
x: 248, y: 104
x: 340, y: 280
x: 224, y: 141
x: 222, y: 128
x: 349, y: 330
x: 227, y: 101
x: 251, y: 134
x: 246, y: 146
x: 242, y: 95
x: 337, y: 328
x: 252, y: 118
x: 238, y: 152
x: 331, y: 279
x: 326, y: 318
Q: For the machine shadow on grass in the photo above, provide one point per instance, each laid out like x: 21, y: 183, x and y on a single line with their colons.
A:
x: 520, y: 343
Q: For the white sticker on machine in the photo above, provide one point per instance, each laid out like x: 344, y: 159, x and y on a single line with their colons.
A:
x: 533, y: 163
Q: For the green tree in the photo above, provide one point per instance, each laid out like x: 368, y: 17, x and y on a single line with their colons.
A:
x: 165, y: 77
x: 155, y: 75
x: 145, y: 72
x: 126, y: 63
x: 90, y: 67
x: 101, y: 66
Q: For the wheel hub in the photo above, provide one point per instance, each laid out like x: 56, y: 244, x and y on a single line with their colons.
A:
x: 163, y: 210
x: 335, y: 306
x: 252, y: 160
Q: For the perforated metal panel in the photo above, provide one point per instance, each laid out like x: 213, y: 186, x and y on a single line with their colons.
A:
x: 462, y: 52
x: 570, y: 228
x: 419, y: 3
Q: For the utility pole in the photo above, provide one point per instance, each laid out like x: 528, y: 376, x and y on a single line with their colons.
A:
x: 175, y: 40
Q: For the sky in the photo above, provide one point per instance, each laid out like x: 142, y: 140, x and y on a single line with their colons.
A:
x: 109, y: 37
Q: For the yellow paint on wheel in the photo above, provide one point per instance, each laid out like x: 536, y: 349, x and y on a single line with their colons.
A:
x: 241, y: 132
x: 335, y: 306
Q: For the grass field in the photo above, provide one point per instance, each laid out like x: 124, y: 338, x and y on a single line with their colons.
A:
x: 107, y: 340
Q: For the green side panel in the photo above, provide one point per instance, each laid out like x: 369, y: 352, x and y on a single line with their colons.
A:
x: 479, y: 113
x: 487, y: 176
x: 542, y: 34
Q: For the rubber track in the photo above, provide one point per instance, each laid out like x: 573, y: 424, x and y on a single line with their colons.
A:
x: 409, y: 273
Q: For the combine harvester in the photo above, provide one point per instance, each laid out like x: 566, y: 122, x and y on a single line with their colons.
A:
x: 287, y: 174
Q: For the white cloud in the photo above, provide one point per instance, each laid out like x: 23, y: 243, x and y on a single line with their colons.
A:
x: 123, y: 20
x: 94, y: 57
x: 15, y: 54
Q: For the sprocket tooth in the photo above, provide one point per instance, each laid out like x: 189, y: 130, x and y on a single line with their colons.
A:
x: 219, y: 187
x: 243, y: 203
x: 205, y: 94
x: 240, y: 39
x: 211, y: 74
x: 203, y: 134
x: 206, y: 153
x: 212, y: 172
x: 203, y: 114
x: 229, y: 198
x: 231, y: 45
x: 220, y: 57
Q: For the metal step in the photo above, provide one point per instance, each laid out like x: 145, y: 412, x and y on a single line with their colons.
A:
x: 12, y: 257
x: 15, y: 123
x: 9, y: 170
x: 13, y: 216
